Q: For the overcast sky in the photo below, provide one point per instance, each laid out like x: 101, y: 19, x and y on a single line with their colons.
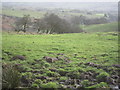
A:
x: 59, y: 0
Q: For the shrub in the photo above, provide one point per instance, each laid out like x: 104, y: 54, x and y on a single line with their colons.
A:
x: 50, y: 85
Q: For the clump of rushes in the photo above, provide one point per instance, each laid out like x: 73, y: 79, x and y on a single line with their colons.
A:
x: 62, y: 72
x: 34, y: 85
x: 102, y: 77
x: 52, y: 74
x: 73, y: 75
x: 85, y: 83
x: 10, y: 77
x: 47, y: 65
x: 50, y: 85
x: 100, y: 85
x: 63, y: 78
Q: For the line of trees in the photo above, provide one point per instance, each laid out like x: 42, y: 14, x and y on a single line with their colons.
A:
x: 88, y: 21
x: 50, y: 23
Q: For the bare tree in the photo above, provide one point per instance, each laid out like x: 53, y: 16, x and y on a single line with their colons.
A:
x: 42, y: 26
x: 60, y: 25
x: 22, y: 23
x: 75, y: 20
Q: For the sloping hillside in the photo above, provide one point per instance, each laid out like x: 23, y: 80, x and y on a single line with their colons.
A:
x: 81, y: 59
x: 109, y: 27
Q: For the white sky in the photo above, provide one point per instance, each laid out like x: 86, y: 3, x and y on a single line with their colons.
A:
x: 59, y: 0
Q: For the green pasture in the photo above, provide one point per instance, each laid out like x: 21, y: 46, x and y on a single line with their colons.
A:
x: 20, y: 13
x: 108, y: 27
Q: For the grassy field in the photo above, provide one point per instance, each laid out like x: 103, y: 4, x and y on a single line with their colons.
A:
x: 86, y: 15
x: 79, y: 55
x: 36, y: 14
x: 109, y: 27
x: 20, y: 13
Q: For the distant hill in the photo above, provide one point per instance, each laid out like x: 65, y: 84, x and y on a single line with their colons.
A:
x: 99, y: 6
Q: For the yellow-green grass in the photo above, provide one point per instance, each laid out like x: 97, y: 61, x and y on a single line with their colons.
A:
x: 80, y: 48
x: 85, y: 45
